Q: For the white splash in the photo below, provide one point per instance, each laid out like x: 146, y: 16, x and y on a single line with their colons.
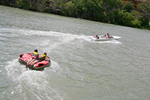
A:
x: 37, y: 84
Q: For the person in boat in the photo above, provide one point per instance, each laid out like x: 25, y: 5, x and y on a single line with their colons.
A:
x: 43, y: 57
x: 97, y: 36
x: 108, y: 36
x: 34, y: 57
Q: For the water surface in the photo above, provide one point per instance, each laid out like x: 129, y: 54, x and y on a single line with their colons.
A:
x: 81, y: 68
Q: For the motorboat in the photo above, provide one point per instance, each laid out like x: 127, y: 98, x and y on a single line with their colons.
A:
x: 104, y: 38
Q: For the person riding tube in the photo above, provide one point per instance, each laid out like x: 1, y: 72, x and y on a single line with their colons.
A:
x: 34, y: 57
x: 43, y: 57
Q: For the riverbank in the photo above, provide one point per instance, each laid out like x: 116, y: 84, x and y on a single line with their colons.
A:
x: 113, y: 12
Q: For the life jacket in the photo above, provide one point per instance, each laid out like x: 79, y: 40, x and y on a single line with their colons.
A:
x: 35, y: 54
x: 43, y: 56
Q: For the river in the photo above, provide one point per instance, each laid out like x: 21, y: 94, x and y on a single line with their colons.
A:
x: 81, y: 68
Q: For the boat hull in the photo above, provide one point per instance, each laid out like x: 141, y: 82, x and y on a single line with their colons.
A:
x: 102, y: 38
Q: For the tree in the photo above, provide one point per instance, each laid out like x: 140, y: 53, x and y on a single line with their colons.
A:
x: 8, y: 2
x: 144, y: 13
x: 87, y: 9
x: 128, y: 7
x: 38, y: 5
x: 25, y: 4
x: 111, y: 8
x: 93, y: 10
x: 112, y: 5
x: 144, y: 8
x: 70, y: 9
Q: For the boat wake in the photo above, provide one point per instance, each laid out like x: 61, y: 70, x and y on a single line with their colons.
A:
x: 56, y: 38
x: 36, y: 83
